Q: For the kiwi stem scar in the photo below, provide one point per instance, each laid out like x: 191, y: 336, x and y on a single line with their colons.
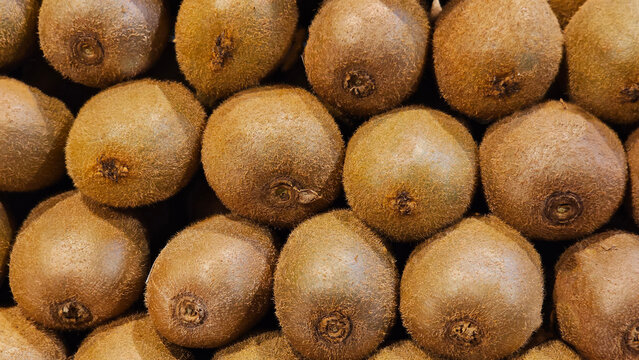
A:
x: 189, y: 309
x: 87, y: 49
x: 632, y: 338
x: 503, y: 86
x: 562, y: 208
x: 334, y: 327
x: 222, y: 50
x: 71, y: 312
x: 359, y: 83
x: 283, y: 192
x: 630, y: 94
x: 403, y: 203
x: 464, y: 332
x: 112, y: 168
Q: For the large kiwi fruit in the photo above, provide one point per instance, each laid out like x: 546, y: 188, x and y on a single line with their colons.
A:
x: 553, y: 171
x: 602, y: 52
x: 565, y: 9
x: 274, y: 155
x: 77, y: 264
x: 495, y: 57
x: 136, y: 143
x: 596, y: 296
x: 212, y: 282
x: 335, y: 288
x: 632, y: 148
x: 410, y: 172
x: 224, y: 47
x: 402, y: 350
x: 6, y: 237
x: 21, y: 339
x: 551, y: 350
x: 473, y: 292
x: 18, y: 30
x: 101, y: 42
x: 271, y: 345
x: 33, y: 131
x: 367, y: 56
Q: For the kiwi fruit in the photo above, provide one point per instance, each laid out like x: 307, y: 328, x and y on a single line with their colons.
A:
x: 551, y: 350
x: 473, y: 292
x: 632, y: 148
x: 565, y: 9
x: 595, y: 296
x: 33, y: 131
x: 335, y: 288
x: 273, y: 155
x: 18, y: 26
x: 6, y: 236
x: 212, y: 282
x: 101, y: 42
x: 77, y: 264
x: 136, y: 143
x: 24, y: 340
x: 271, y: 345
x: 602, y: 52
x: 553, y: 171
x: 224, y: 47
x: 402, y: 350
x: 495, y: 57
x: 410, y: 172
x: 367, y: 56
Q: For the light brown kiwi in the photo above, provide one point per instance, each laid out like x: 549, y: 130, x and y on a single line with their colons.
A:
x: 495, y: 57
x: 632, y: 150
x: 271, y: 345
x: 18, y: 30
x: 136, y: 143
x: 551, y: 350
x: 24, y: 340
x: 77, y: 264
x: 565, y: 9
x: 33, y: 131
x: 402, y: 350
x: 595, y: 296
x: 553, y: 171
x: 335, y: 288
x: 212, y: 282
x: 224, y: 47
x: 101, y: 42
x: 367, y: 56
x: 410, y: 172
x: 6, y: 237
x: 473, y: 292
x: 273, y: 155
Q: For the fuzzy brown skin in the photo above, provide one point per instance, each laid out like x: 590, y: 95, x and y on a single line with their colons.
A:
x: 18, y: 26
x: 212, y: 282
x: 495, y: 57
x: 553, y: 171
x: 270, y: 345
x: 136, y: 143
x: 403, y: 350
x: 410, y: 172
x: 602, y: 52
x: 632, y: 148
x: 24, y: 340
x: 226, y: 46
x: 596, y: 296
x: 367, y: 56
x: 6, y: 237
x: 78, y: 264
x: 33, y: 131
x: 335, y: 288
x: 274, y: 155
x: 565, y: 9
x: 101, y: 42
x: 552, y: 350
x: 473, y: 292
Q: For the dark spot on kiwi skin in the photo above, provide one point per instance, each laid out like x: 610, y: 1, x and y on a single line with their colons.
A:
x: 632, y: 338
x: 359, y: 83
x: 503, y: 86
x: 112, y: 168
x: 283, y: 192
x: 464, y: 332
x: 87, y: 49
x: 71, y: 312
x: 222, y: 50
x: 188, y: 309
x: 630, y: 94
x: 562, y: 208
x: 334, y: 327
x: 403, y: 203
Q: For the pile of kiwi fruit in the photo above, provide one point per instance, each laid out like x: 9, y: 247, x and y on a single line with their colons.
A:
x: 319, y: 180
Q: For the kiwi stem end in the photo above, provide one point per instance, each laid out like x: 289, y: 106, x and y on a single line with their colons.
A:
x: 334, y: 327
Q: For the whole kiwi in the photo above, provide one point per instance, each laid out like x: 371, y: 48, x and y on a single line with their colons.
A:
x: 33, y: 131
x: 212, y: 282
x: 101, y: 42
x: 553, y: 171
x: 78, y: 264
x: 551, y: 350
x: 632, y: 148
x: 6, y: 237
x: 226, y: 46
x: 274, y: 155
x: 596, y: 296
x: 565, y: 9
x: 410, y: 172
x: 136, y: 143
x: 17, y: 30
x: 24, y: 340
x: 367, y: 56
x: 473, y: 292
x: 271, y: 345
x: 402, y: 350
x: 495, y: 57
x: 335, y: 288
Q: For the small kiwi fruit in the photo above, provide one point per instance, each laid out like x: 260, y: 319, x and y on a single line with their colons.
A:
x: 553, y: 171
x: 271, y: 345
x: 273, y: 155
x: 6, y: 237
x: 551, y: 350
x: 335, y: 288
x: 367, y: 56
x: 33, y: 131
x: 601, y: 52
x: 410, y: 172
x: 21, y: 339
x: 565, y: 9
x: 17, y: 30
x: 212, y: 282
x: 632, y: 148
x: 595, y: 296
x: 77, y: 263
x: 101, y: 42
x: 473, y: 292
x: 223, y: 47
x: 402, y: 350
x: 495, y: 57
x: 136, y: 143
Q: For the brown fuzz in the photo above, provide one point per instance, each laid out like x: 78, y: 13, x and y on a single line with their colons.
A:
x: 18, y: 30
x: 21, y: 339
x: 270, y: 345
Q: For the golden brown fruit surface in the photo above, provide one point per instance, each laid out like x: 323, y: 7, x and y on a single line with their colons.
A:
x: 22, y: 339
x: 552, y: 350
x: 18, y: 29
x: 632, y: 149
x: 270, y: 345
x: 402, y: 350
